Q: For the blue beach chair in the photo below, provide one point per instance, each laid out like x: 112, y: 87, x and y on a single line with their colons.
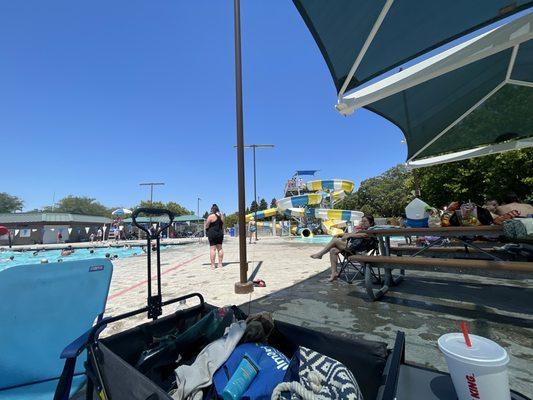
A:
x: 44, y: 308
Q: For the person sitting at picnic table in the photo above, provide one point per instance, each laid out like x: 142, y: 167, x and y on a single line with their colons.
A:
x: 353, y: 242
x: 513, y: 204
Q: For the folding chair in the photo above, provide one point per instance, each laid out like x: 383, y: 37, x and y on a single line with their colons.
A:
x: 45, y: 307
x: 352, y: 270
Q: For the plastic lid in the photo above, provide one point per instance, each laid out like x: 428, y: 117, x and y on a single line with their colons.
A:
x: 483, y: 351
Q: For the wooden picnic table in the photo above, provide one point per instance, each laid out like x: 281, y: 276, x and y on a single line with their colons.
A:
x: 450, y: 231
x: 462, y: 233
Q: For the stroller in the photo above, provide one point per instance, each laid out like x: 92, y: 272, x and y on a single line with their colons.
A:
x: 113, y: 370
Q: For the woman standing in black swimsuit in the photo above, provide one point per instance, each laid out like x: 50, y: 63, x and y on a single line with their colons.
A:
x: 214, y: 226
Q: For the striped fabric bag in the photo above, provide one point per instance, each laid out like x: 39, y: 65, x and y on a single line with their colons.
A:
x: 314, y: 376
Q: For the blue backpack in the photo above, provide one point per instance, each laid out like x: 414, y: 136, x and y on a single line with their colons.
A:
x: 272, y: 363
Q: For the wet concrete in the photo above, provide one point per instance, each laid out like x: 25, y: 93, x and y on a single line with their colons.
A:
x: 424, y: 306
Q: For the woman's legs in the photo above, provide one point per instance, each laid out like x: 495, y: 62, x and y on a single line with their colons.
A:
x: 333, y: 259
x: 220, y: 255
x: 335, y: 243
x: 212, y: 254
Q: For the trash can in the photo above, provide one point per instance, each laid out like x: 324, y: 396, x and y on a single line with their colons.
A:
x: 232, y: 231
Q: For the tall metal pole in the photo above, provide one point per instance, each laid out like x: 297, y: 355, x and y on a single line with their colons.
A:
x: 253, y: 147
x: 255, y: 196
x: 198, y: 215
x: 198, y: 207
x: 243, y: 286
x: 152, y: 184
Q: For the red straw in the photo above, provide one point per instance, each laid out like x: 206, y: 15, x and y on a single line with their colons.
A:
x: 464, y: 328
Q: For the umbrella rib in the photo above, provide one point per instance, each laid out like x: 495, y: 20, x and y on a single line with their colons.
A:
x: 366, y: 45
x: 463, y: 116
x: 520, y: 83
x: 511, y: 62
x: 471, y: 153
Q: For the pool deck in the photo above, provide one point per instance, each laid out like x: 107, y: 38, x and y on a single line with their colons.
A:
x: 425, y: 306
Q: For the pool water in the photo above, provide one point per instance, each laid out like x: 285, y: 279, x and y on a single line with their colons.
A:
x: 27, y: 257
x: 315, y: 239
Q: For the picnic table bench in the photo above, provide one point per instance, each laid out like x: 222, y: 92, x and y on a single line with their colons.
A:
x: 464, y: 234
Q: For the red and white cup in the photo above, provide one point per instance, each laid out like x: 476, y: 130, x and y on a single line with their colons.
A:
x: 478, y: 372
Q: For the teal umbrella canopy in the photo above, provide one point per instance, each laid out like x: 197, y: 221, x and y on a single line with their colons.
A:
x: 472, y: 99
x: 361, y: 39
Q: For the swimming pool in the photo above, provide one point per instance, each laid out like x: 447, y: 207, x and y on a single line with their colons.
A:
x: 313, y: 240
x: 27, y: 257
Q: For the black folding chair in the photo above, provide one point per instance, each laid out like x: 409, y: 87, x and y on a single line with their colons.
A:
x: 352, y: 270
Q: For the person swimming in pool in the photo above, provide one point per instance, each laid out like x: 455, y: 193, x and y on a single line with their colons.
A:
x: 4, y: 260
x: 67, y: 252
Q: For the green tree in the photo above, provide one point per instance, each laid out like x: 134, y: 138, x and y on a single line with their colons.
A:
x: 479, y: 179
x: 206, y: 214
x: 273, y: 203
x: 9, y: 203
x: 383, y: 196
x: 231, y: 220
x: 176, y: 208
x: 79, y: 205
x: 254, y: 207
x: 263, y: 205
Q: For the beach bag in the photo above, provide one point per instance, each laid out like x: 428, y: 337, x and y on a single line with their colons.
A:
x: 272, y: 367
x: 158, y: 361
x: 314, y: 376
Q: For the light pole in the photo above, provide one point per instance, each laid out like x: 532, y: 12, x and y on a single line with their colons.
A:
x: 243, y: 286
x: 152, y: 184
x: 253, y: 147
x: 198, y: 214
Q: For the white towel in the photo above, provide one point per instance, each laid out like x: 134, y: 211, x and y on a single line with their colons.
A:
x: 190, y: 379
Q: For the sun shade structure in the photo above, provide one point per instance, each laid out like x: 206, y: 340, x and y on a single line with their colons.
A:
x: 361, y: 39
x: 470, y: 100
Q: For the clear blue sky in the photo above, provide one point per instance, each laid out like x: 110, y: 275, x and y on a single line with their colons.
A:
x: 99, y: 96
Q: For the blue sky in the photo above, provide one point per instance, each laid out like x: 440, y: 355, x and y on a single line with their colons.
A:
x: 99, y: 96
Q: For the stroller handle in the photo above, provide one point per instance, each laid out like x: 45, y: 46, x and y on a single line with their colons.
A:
x: 154, y: 211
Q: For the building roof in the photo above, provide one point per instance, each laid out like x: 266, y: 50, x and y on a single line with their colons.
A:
x: 188, y: 218
x: 32, y: 217
x: 181, y: 218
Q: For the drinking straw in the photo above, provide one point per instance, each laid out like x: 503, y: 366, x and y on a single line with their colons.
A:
x: 464, y: 328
